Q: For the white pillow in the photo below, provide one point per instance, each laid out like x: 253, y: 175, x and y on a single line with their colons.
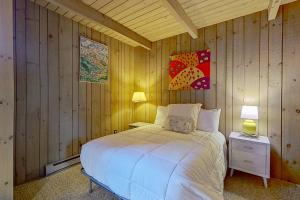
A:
x: 182, y: 117
x: 161, y: 115
x: 208, y: 120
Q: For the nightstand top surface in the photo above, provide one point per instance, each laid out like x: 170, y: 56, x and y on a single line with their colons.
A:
x: 241, y: 136
x: 139, y: 124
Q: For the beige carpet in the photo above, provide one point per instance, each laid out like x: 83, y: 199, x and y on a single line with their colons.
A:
x: 71, y: 184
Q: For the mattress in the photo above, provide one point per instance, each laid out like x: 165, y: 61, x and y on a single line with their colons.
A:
x: 150, y: 163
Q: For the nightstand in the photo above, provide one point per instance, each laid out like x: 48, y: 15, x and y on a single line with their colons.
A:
x: 250, y: 155
x: 138, y: 124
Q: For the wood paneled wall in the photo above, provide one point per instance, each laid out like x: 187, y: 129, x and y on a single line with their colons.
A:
x: 6, y: 100
x: 253, y: 62
x: 55, y: 114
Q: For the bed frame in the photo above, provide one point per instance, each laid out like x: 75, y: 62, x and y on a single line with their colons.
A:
x: 106, y: 188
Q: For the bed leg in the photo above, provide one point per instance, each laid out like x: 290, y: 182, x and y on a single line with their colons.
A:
x: 265, y: 182
x: 91, y: 186
x: 231, y: 172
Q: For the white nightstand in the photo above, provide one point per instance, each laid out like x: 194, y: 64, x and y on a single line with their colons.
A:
x: 138, y: 124
x: 250, y: 154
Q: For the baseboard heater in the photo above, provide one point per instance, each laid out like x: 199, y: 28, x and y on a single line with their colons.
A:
x: 59, y: 165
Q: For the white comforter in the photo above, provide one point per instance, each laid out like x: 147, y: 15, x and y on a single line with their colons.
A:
x: 150, y: 163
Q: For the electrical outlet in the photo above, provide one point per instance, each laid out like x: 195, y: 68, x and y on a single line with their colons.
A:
x: 115, y: 131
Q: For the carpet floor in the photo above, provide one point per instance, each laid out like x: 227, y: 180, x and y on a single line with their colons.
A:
x: 71, y: 184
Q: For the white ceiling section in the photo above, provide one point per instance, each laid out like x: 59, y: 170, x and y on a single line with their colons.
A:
x: 153, y: 20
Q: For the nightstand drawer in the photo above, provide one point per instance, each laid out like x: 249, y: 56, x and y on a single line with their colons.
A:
x: 250, y: 162
x: 251, y: 147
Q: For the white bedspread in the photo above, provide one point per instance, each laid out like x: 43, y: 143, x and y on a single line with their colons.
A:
x: 150, y: 163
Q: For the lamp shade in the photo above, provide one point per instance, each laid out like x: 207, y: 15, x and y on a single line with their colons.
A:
x: 249, y: 112
x: 139, y: 97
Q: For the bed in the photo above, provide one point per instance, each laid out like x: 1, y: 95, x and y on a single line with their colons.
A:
x: 151, y: 163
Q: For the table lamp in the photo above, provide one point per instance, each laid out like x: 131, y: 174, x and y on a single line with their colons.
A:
x: 249, y: 114
x: 139, y: 97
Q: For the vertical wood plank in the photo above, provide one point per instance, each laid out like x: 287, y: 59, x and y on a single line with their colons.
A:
x: 200, y: 46
x: 88, y: 100
x: 221, y: 74
x: 290, y: 94
x: 121, y: 97
x: 185, y: 47
x: 147, y: 86
x: 178, y: 48
x: 238, y: 72
x: 172, y: 51
x: 263, y: 74
x: 152, y: 82
x: 65, y: 90
x: 82, y: 99
x: 122, y: 89
x: 119, y: 72
x: 165, y: 75
x: 43, y: 157
x: 274, y: 93
x: 96, y: 100
x: 229, y: 77
x: 33, y: 91
x: 127, y: 87
x: 131, y: 82
x: 107, y: 90
x: 139, y: 81
x: 117, y: 66
x: 114, y: 84
x: 53, y: 77
x: 75, y: 87
x: 251, y: 95
x: 102, y: 100
x: 210, y: 42
x: 194, y: 43
x: 21, y: 96
x: 7, y: 99
x: 158, y: 73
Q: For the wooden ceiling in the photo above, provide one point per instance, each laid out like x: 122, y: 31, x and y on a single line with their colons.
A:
x: 152, y: 20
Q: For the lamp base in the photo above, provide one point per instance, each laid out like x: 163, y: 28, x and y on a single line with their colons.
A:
x: 249, y: 128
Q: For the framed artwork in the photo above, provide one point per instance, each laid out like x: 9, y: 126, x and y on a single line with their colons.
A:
x: 190, y: 71
x: 93, y: 61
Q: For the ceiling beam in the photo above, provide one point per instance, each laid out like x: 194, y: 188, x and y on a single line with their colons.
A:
x: 85, y: 11
x: 175, y: 9
x: 287, y: 1
x: 273, y: 9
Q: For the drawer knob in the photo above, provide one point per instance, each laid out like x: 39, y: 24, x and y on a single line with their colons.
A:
x: 247, y: 161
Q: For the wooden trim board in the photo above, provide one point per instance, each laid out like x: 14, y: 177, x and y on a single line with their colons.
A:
x: 175, y: 9
x: 273, y: 9
x: 6, y: 100
x: 85, y: 11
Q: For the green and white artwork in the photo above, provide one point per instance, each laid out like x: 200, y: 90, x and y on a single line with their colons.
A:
x: 93, y: 61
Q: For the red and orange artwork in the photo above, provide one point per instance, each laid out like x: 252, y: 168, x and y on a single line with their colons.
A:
x: 190, y: 71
